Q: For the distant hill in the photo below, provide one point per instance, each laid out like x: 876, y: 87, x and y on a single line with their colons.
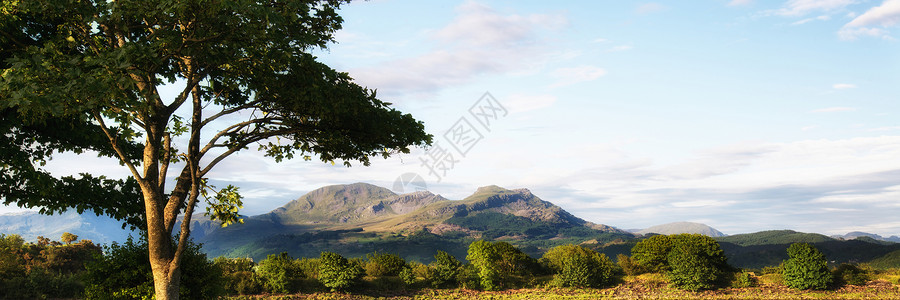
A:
x: 769, y: 248
x: 858, y: 234
x: 682, y: 227
x: 359, y: 218
x: 30, y: 225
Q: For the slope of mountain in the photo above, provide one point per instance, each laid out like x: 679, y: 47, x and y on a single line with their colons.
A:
x: 774, y: 237
x: 30, y: 225
x: 359, y: 218
x: 858, y: 234
x: 683, y: 227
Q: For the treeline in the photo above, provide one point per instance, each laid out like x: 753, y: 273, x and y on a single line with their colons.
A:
x: 122, y: 271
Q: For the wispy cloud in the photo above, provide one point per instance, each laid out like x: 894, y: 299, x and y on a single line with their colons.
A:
x: 573, y: 75
x: 802, y: 7
x: 620, y: 48
x: 478, y: 41
x: 874, y: 22
x: 833, y: 109
x: 843, y: 86
x: 739, y: 2
x: 648, y: 8
x: 807, y: 20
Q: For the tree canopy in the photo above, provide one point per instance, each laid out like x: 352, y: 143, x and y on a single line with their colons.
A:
x: 87, y: 75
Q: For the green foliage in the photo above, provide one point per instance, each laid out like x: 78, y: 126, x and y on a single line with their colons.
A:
x: 576, y: 266
x: 279, y: 273
x: 379, y: 265
x: 446, y: 269
x: 483, y: 255
x: 337, y: 273
x: 887, y: 261
x: 744, y: 280
x: 696, y: 262
x: 629, y: 266
x: 44, y: 270
x: 850, y: 274
x: 123, y: 272
x: 68, y: 238
x: 652, y: 253
x: 806, y: 268
x: 238, y: 275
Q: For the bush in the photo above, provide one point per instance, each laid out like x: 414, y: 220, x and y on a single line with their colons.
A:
x: 496, y: 262
x: 652, y: 253
x: 806, y: 268
x: 446, y: 269
x: 851, y: 274
x: 629, y: 266
x: 695, y: 262
x: 576, y: 266
x: 337, y: 273
x: 380, y: 265
x: 124, y: 273
x: 744, y: 280
x: 279, y: 273
x: 239, y: 277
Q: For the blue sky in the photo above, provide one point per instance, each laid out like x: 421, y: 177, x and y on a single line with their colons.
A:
x: 744, y: 115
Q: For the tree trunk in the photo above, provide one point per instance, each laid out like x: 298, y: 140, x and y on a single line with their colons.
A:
x: 166, y: 287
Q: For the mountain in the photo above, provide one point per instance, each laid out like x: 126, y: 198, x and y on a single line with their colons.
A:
x: 857, y: 234
x: 682, y: 227
x: 359, y: 218
x: 31, y: 224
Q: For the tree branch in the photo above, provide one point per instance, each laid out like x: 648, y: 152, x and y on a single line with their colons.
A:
x: 115, y: 144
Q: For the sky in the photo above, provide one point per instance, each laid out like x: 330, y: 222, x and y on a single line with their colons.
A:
x: 744, y: 115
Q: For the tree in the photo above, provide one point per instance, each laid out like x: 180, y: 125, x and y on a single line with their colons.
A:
x: 279, y: 273
x: 484, y: 257
x: 806, y: 268
x: 86, y: 76
x: 446, y: 269
x: 337, y: 273
x: 385, y: 264
x: 68, y: 238
x: 576, y: 266
x: 652, y: 253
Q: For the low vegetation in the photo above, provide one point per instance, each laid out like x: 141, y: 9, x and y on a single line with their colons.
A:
x: 673, y: 266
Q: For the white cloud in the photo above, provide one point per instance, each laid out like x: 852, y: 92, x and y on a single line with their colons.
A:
x: 478, y: 41
x: 521, y: 102
x: 620, y: 48
x: 873, y: 23
x: 648, y: 8
x: 843, y: 86
x: 570, y: 76
x: 807, y: 20
x: 833, y: 109
x: 803, y: 7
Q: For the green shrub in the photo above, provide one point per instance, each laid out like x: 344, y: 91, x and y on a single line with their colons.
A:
x: 806, y: 268
x: 337, y: 273
x: 851, y: 274
x: 695, y: 262
x: 446, y: 269
x: 744, y: 280
x: 629, y: 266
x: 279, y: 273
x: 123, y: 272
x: 576, y: 266
x: 496, y: 262
x: 239, y: 276
x: 652, y: 253
x: 380, y: 265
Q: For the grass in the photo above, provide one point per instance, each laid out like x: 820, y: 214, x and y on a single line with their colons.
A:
x: 645, y: 286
